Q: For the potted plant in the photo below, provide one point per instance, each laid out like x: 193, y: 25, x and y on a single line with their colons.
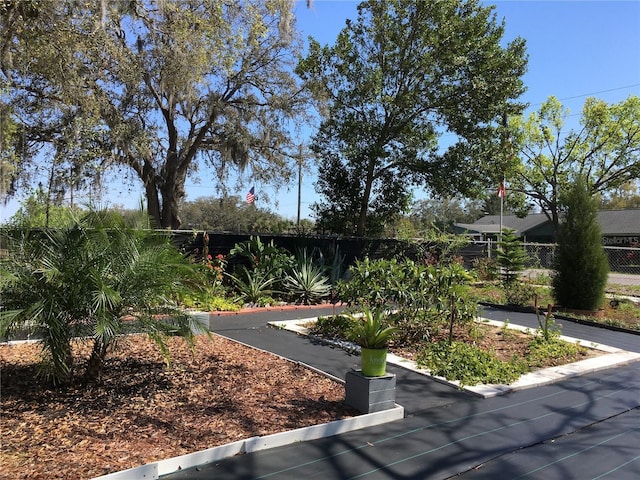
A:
x: 372, y: 335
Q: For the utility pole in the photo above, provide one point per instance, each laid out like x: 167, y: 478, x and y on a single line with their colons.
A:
x: 299, y: 183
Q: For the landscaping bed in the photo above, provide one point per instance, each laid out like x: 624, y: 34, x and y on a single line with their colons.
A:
x: 473, y: 353
x: 621, y: 308
x: 140, y: 411
x: 505, y: 343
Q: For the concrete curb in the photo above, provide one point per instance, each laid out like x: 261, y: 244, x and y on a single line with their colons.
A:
x: 154, y: 470
x: 255, y: 444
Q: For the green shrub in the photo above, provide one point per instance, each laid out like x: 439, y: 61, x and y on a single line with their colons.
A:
x: 333, y: 326
x: 207, y: 302
x: 414, y: 329
x: 373, y: 283
x: 486, y: 268
x: 580, y: 264
x: 306, y: 282
x: 468, y: 364
x: 511, y: 256
x: 519, y: 293
x: 262, y: 261
x: 255, y: 287
x: 422, y: 295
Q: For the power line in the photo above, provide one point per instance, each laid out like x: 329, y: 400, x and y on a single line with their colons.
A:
x: 594, y: 93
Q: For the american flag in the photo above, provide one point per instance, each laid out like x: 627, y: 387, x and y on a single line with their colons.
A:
x: 251, y: 196
x: 502, y: 191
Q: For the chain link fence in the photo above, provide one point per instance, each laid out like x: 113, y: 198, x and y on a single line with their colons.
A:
x: 621, y: 259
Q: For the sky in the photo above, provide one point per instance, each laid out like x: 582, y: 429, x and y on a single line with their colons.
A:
x: 576, y: 49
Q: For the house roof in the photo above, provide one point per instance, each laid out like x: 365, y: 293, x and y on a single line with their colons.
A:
x: 619, y: 222
x: 491, y: 223
x: 612, y: 223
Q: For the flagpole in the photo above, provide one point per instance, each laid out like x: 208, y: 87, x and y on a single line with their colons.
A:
x: 502, y: 192
x: 503, y: 186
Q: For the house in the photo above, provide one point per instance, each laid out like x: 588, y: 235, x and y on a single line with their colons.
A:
x: 619, y: 227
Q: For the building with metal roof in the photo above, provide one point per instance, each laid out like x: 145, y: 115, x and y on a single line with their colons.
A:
x: 619, y: 227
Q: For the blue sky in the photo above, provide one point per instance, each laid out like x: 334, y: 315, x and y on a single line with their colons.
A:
x: 576, y: 49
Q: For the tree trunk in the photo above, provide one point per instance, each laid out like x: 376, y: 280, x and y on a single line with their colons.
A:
x: 364, y: 206
x: 96, y: 361
x: 172, y: 192
x: 153, y: 204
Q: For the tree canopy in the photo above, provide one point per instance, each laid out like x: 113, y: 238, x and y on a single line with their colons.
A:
x: 160, y: 88
x: 232, y: 214
x: 625, y: 196
x: 604, y: 150
x: 397, y: 77
x: 442, y: 213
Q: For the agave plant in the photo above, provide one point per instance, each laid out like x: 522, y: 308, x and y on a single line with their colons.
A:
x: 93, y: 281
x: 370, y: 329
x: 306, y: 282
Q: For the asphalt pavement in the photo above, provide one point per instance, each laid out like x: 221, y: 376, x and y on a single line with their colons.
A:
x: 585, y: 427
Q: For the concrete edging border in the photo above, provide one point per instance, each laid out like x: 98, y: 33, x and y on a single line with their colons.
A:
x: 255, y: 444
x: 155, y: 470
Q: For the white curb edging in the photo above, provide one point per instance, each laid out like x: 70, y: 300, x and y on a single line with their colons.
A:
x: 154, y: 470
x: 255, y: 444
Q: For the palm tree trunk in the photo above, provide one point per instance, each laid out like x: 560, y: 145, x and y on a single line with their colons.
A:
x: 96, y: 361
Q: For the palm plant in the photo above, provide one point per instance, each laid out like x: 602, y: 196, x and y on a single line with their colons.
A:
x: 94, y: 280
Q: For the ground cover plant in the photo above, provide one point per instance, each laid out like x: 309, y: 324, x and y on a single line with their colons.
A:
x: 142, y: 411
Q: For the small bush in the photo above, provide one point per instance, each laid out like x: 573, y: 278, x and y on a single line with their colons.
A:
x: 413, y: 329
x: 207, y: 302
x: 486, y: 268
x: 468, y: 364
x: 306, y: 282
x: 519, y: 293
x: 334, y: 326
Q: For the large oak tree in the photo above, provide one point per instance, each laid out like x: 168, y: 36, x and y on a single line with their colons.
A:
x: 396, y: 79
x: 160, y: 88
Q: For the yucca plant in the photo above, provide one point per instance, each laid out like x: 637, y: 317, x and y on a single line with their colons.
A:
x: 306, y: 282
x: 253, y: 287
x: 95, y: 280
x: 370, y: 330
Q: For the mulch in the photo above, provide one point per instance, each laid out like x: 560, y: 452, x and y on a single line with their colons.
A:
x: 142, y: 411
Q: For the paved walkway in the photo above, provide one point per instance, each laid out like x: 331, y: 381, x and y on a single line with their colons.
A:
x: 582, y: 427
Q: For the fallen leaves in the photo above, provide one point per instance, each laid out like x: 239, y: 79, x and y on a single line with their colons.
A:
x: 140, y: 411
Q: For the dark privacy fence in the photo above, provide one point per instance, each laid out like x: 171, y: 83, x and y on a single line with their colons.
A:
x: 351, y: 248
